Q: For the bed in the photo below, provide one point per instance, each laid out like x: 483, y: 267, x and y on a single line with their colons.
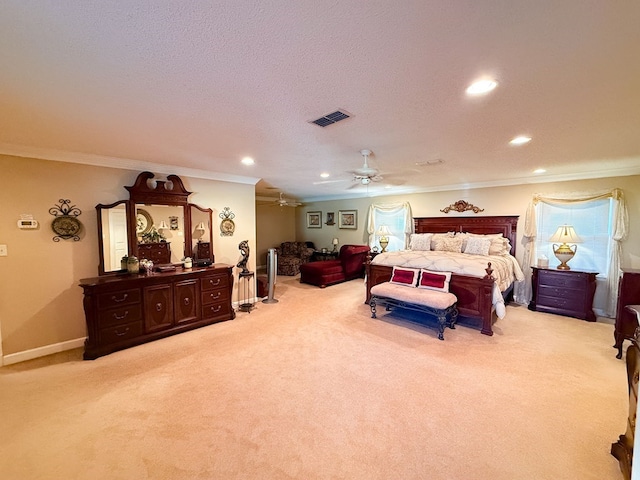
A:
x: 480, y: 299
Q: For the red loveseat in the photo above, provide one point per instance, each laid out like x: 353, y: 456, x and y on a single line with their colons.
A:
x: 349, y: 265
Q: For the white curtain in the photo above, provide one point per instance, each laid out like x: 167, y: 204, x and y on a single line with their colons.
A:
x: 391, y: 208
x: 618, y: 234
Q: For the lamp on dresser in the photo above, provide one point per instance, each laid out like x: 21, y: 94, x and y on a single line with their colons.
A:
x: 565, y: 234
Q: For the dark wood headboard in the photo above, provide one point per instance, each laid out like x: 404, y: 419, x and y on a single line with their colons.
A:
x: 481, y: 225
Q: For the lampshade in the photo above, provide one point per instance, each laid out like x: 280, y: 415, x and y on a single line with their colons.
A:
x: 565, y: 234
x: 334, y: 241
x: 383, y: 231
x: 201, y: 226
x: 564, y: 252
x: 163, y: 225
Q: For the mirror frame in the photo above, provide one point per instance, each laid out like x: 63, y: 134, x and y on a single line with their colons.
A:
x: 210, y: 213
x: 99, y: 208
x: 159, y: 192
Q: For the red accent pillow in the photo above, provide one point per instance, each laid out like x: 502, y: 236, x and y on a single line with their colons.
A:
x: 434, y: 280
x: 405, y: 276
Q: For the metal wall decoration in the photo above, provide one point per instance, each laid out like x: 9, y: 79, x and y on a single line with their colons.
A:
x: 227, y: 227
x: 66, y: 224
x: 462, y: 206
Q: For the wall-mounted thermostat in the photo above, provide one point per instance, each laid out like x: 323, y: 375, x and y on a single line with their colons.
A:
x: 27, y: 224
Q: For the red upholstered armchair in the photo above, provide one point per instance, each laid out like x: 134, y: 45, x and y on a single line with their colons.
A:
x: 349, y: 265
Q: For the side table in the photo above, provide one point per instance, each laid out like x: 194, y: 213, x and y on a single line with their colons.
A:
x: 319, y: 256
x: 245, y: 297
x: 563, y: 292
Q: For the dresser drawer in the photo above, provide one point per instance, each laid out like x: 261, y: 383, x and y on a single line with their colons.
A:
x: 213, y: 296
x: 559, y: 292
x: 215, y: 281
x: 116, y: 299
x: 561, y: 279
x: 564, y: 303
x: 221, y: 309
x: 121, y: 315
x: 120, y: 333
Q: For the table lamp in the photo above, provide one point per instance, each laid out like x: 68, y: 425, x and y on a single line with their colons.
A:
x: 383, y: 232
x: 335, y: 244
x: 565, y: 252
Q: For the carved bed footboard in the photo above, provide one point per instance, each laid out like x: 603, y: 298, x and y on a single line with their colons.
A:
x: 474, y: 295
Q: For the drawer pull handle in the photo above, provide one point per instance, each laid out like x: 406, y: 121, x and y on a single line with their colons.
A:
x: 217, y: 309
x: 186, y: 301
x: 216, y: 296
x: 123, y: 332
x: 214, y: 284
x: 120, y: 317
x: 118, y: 300
x: 158, y: 306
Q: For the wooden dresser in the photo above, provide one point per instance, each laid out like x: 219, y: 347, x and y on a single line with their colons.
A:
x: 130, y: 309
x: 623, y: 448
x: 628, y: 294
x: 563, y: 292
x: 159, y: 253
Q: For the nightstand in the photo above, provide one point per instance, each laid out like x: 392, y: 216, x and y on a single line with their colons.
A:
x: 563, y: 292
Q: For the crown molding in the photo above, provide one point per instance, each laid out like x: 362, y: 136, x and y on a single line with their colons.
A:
x: 116, y: 162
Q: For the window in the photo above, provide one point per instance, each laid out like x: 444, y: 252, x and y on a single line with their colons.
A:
x: 397, y: 218
x: 592, y: 221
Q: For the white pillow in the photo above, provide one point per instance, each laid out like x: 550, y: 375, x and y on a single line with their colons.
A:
x: 500, y: 246
x: 449, y: 244
x: 438, y: 238
x: 420, y: 241
x: 477, y: 246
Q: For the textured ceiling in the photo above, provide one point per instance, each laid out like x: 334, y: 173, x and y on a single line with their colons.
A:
x: 195, y: 86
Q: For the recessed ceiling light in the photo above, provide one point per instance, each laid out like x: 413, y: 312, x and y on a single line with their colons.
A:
x: 480, y: 87
x: 247, y: 161
x: 539, y: 170
x: 520, y: 140
x: 325, y: 175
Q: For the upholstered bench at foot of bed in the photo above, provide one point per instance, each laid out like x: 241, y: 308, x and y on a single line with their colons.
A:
x: 442, y: 305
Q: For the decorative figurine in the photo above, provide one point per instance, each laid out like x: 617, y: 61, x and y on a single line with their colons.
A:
x: 244, y: 249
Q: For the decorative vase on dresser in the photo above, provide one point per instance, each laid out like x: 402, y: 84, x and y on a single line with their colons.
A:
x: 628, y: 294
x: 563, y: 292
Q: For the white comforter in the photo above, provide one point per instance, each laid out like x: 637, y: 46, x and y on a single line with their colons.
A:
x: 506, y: 269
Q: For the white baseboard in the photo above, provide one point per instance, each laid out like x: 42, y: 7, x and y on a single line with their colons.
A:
x: 42, y: 351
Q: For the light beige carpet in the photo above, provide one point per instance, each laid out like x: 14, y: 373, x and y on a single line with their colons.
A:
x: 313, y: 388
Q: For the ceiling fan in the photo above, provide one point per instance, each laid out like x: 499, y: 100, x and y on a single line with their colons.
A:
x: 366, y: 174
x: 283, y: 202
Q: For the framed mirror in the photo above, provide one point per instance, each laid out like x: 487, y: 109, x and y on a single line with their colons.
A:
x: 160, y: 231
x: 113, y: 235
x: 201, y: 234
x: 155, y: 223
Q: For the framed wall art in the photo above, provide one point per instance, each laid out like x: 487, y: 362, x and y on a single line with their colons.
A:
x: 314, y: 219
x: 348, y: 219
x: 331, y: 218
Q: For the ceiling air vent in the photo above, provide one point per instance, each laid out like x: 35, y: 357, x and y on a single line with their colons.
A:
x: 331, y: 118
